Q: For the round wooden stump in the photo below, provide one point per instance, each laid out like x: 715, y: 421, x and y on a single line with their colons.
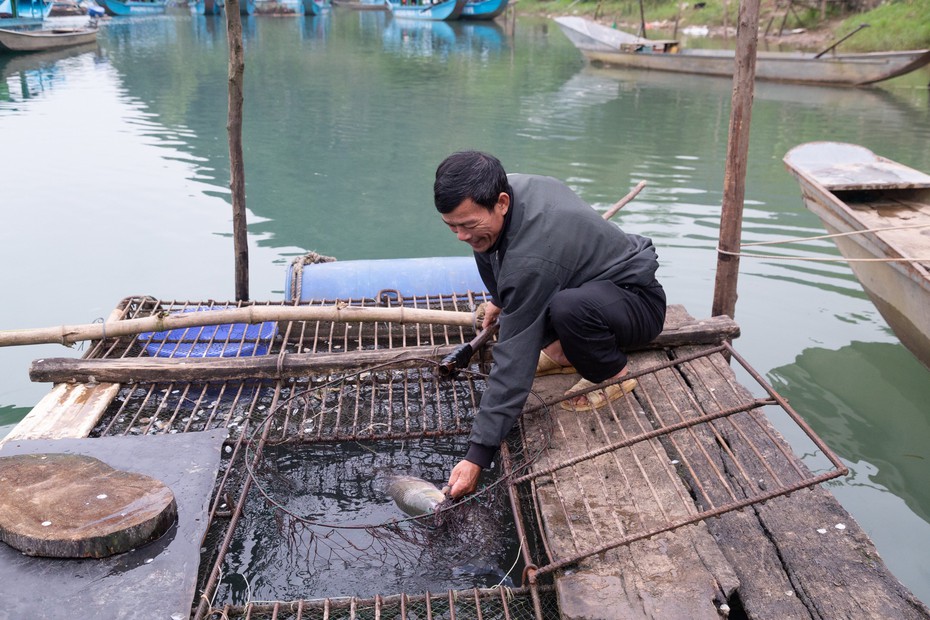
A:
x: 75, y: 506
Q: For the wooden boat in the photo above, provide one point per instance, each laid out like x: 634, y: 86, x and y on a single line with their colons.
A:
x: 610, y: 46
x: 446, y: 10
x: 41, y: 40
x: 883, y: 209
x: 122, y: 8
x: 483, y: 9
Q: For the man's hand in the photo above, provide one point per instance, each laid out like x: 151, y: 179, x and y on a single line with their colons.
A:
x: 491, y: 312
x: 463, y: 479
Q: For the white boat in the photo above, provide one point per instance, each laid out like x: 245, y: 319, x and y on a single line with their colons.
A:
x: 40, y: 40
x: 613, y: 47
x: 882, y: 208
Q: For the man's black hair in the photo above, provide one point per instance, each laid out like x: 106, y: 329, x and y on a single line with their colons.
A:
x: 469, y: 174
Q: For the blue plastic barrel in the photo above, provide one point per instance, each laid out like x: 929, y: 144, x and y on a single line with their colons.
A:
x: 409, y: 277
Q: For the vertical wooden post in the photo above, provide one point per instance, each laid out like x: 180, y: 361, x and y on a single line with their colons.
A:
x: 734, y: 178
x: 234, y: 130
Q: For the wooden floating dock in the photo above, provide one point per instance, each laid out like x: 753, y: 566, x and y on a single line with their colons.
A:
x: 680, y: 500
x: 795, y: 556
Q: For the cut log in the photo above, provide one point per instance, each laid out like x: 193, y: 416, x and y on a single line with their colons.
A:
x: 76, y: 506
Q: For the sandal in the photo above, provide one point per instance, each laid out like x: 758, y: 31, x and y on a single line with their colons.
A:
x: 548, y: 366
x: 597, y: 398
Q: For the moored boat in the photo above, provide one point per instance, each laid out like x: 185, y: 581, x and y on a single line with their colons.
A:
x: 122, y: 8
x: 483, y: 9
x: 41, y: 40
x: 881, y: 209
x: 206, y: 7
x: 441, y: 11
x: 609, y: 46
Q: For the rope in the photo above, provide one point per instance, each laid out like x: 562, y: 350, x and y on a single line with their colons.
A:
x: 827, y: 259
x: 297, y: 270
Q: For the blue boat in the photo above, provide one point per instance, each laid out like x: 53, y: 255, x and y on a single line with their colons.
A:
x: 20, y: 13
x: 417, y: 9
x: 483, y: 9
x: 206, y: 7
x: 315, y: 7
x: 123, y: 8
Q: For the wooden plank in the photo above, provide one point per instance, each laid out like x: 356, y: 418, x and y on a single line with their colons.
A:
x: 788, y: 552
x: 607, y: 497
x: 69, y: 410
x: 762, y: 574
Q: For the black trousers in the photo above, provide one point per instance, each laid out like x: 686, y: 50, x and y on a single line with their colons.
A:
x: 598, y: 320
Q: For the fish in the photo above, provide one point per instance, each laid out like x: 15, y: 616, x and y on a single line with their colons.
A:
x: 414, y: 496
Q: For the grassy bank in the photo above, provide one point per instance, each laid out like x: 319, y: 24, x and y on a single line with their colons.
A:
x: 899, y: 24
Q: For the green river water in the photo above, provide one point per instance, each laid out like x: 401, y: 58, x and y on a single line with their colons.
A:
x: 115, y: 183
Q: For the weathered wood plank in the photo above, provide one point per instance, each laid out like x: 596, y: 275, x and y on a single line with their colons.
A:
x: 779, y: 549
x: 68, y: 410
x: 605, y: 498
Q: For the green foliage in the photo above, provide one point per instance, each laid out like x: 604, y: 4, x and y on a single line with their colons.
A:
x: 902, y: 24
x: 895, y: 24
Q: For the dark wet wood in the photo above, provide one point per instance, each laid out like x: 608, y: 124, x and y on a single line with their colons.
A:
x: 76, y: 506
x: 679, y: 329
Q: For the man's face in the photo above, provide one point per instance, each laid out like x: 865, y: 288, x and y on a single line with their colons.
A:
x: 477, y: 226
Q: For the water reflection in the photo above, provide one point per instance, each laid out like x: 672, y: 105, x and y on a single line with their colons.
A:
x: 888, y: 427
x: 439, y: 39
x: 24, y: 76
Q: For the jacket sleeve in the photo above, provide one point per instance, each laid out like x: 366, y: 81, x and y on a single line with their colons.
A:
x: 526, y: 293
x: 486, y: 272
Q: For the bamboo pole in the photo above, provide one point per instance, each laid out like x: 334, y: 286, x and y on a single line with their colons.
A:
x: 236, y: 166
x: 69, y: 334
x: 734, y: 179
x: 612, y: 211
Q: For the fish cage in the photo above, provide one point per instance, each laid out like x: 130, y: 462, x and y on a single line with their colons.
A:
x: 319, y: 412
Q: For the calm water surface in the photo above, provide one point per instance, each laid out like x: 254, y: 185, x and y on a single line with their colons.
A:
x: 115, y: 176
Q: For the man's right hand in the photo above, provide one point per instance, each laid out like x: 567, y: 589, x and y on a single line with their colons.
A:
x: 464, y: 479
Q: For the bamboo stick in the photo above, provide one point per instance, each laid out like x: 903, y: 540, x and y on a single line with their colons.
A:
x: 69, y: 334
x: 612, y: 211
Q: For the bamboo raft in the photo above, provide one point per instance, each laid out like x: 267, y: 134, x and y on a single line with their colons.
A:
x: 680, y: 500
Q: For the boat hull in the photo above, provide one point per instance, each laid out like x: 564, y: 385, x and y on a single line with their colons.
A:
x: 45, y: 40
x: 117, y: 8
x: 599, y: 44
x: 889, y: 212
x: 442, y: 11
x: 483, y: 9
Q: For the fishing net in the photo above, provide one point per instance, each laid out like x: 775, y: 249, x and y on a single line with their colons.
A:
x: 318, y: 516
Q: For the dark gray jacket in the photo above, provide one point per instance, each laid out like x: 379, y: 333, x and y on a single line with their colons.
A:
x: 552, y: 240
